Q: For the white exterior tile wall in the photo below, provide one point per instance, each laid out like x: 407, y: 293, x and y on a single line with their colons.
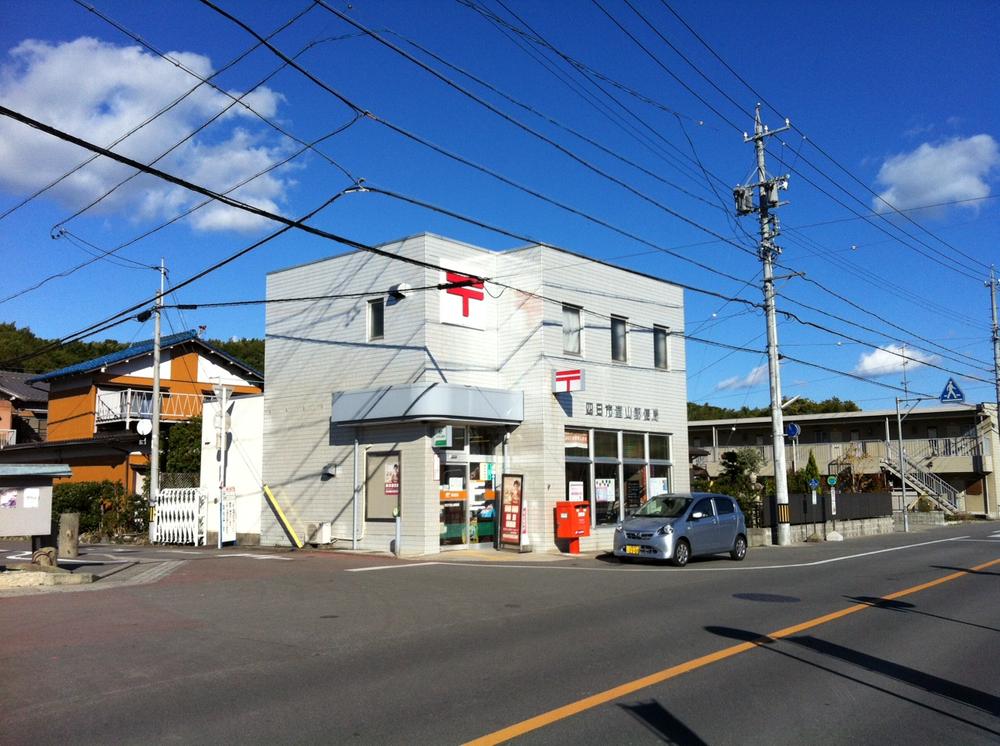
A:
x: 318, y: 348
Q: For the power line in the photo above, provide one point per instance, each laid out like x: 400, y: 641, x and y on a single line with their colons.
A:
x: 591, y: 76
x: 823, y: 152
x: 179, y: 216
x: 858, y: 215
x: 503, y: 115
x: 652, y: 56
x: 234, y: 101
x: 566, y: 128
x: 273, y: 125
x: 787, y: 314
x: 149, y: 119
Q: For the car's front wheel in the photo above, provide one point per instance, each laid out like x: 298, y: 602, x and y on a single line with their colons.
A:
x: 682, y: 553
x: 739, y: 550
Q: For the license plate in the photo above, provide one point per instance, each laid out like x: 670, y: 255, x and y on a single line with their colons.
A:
x: 631, y: 550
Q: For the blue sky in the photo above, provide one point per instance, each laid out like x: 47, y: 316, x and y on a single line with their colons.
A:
x: 902, y: 95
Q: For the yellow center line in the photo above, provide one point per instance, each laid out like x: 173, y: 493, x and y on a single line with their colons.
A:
x: 608, y: 695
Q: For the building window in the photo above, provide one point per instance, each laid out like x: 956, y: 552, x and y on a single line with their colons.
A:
x: 376, y: 319
x: 605, y: 444
x: 572, y: 330
x: 619, y: 339
x: 633, y: 446
x: 659, y: 447
x: 661, y: 347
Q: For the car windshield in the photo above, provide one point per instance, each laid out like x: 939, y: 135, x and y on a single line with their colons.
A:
x: 664, y: 506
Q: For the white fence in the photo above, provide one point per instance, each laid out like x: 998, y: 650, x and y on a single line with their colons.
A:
x: 180, y: 517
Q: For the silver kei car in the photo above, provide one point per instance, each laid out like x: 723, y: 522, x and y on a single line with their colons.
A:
x: 678, y: 527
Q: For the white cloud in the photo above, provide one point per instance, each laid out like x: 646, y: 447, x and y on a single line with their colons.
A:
x: 122, y: 87
x: 889, y: 359
x: 751, y: 379
x: 953, y: 170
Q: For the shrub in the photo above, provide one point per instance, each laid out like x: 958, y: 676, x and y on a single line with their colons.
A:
x: 104, y: 507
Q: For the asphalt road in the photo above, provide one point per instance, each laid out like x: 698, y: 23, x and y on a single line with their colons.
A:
x: 795, y: 645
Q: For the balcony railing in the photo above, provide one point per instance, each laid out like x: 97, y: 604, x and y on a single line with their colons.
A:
x: 129, y: 405
x: 8, y: 438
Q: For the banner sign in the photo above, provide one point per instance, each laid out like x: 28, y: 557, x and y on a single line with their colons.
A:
x: 513, y: 517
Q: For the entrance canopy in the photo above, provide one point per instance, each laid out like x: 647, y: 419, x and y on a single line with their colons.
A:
x: 428, y: 402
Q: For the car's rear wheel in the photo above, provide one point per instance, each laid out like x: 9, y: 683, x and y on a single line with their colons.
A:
x: 739, y: 550
x: 682, y: 553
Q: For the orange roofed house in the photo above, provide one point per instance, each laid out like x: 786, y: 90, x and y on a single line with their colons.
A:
x: 95, y: 406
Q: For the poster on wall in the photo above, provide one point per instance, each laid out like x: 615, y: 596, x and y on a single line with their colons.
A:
x: 392, y: 477
x: 576, y: 491
x: 658, y: 486
x: 383, y: 485
x: 604, y: 490
x: 510, y: 528
x: 8, y: 498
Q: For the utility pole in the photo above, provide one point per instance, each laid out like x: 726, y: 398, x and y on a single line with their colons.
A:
x: 767, y: 190
x: 996, y: 333
x: 154, y: 443
x: 222, y: 434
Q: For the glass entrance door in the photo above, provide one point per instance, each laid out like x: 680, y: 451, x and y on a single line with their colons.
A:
x: 483, y: 506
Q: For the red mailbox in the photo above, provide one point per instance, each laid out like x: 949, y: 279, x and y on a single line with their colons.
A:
x: 572, y: 522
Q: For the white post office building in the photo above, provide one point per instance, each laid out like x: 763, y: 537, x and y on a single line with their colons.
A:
x: 410, y: 388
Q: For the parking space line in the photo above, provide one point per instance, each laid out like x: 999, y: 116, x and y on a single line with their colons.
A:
x: 609, y: 695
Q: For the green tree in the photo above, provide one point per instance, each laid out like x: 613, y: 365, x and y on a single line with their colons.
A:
x: 799, y: 406
x: 183, y: 447
x: 249, y: 350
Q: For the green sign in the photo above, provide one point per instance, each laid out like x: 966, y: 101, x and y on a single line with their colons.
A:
x: 832, y: 481
x: 442, y: 437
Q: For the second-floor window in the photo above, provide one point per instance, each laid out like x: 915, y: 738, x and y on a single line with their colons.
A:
x: 661, y: 349
x: 619, y: 339
x: 572, y: 330
x: 376, y: 319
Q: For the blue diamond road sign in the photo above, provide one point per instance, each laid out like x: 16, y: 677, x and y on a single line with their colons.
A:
x: 813, y: 484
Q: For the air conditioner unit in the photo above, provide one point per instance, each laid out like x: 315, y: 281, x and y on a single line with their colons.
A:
x: 319, y: 533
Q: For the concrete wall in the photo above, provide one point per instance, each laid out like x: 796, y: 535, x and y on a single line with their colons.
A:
x: 243, y: 463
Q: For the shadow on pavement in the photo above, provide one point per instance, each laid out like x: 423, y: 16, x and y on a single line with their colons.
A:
x: 661, y: 723
x: 928, y: 682
x: 965, y: 569
x: 908, y: 608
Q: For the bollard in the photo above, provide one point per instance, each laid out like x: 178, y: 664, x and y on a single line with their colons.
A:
x: 69, y: 535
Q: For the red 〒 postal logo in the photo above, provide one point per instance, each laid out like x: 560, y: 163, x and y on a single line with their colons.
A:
x: 567, y: 380
x: 473, y: 290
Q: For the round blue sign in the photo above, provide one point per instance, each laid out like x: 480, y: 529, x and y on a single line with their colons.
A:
x: 831, y: 480
x: 792, y: 430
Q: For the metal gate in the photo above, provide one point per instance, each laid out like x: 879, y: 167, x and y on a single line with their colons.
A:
x: 179, y: 517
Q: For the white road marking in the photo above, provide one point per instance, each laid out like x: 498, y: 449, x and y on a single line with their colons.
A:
x: 400, y: 567
x: 257, y: 556
x: 689, y: 568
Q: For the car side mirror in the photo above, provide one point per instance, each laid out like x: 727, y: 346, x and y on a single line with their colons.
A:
x: 697, y: 516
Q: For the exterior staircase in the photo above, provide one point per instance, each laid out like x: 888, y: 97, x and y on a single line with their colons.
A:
x: 920, y: 483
